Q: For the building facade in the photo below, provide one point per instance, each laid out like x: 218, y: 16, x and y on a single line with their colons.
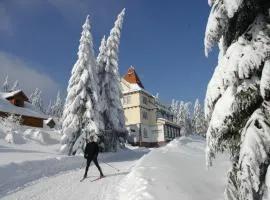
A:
x: 149, y: 123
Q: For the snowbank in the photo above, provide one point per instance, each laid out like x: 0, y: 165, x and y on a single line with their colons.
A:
x: 176, y: 171
x: 18, y: 134
x: 16, y: 175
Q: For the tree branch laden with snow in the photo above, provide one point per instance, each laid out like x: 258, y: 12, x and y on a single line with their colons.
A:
x: 237, y: 94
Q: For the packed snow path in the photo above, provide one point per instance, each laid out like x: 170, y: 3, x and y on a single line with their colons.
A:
x: 58, y: 177
x: 68, y: 186
x: 176, y: 171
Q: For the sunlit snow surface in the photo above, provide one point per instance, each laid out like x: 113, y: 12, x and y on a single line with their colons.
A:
x: 176, y: 171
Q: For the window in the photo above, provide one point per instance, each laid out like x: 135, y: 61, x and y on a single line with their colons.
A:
x: 145, y: 135
x: 174, y: 132
x: 165, y: 131
x: 144, y: 100
x: 144, y: 115
x: 170, y: 132
x: 126, y: 100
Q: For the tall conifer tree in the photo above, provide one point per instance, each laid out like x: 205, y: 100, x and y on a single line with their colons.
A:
x: 79, y: 112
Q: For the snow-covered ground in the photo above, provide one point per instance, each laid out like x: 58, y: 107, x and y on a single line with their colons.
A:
x: 176, y: 171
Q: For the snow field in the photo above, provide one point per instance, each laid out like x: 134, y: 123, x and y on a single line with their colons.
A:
x: 176, y: 171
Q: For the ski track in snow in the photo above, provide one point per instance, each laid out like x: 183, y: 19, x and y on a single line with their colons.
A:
x: 68, y: 186
x: 60, y: 178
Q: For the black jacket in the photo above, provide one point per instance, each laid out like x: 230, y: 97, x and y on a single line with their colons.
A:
x: 91, y: 150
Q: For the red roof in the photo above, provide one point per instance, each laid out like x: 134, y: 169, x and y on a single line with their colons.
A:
x: 132, y: 77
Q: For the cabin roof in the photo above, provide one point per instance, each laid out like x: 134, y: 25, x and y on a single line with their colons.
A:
x: 28, y: 109
x: 14, y: 94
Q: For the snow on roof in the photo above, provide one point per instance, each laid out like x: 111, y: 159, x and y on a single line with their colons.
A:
x: 48, y: 120
x: 28, y: 109
x: 134, y: 87
x: 6, y: 95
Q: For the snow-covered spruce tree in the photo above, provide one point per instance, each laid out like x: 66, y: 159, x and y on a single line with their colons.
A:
x: 237, y: 103
x: 174, y: 109
x: 5, y: 86
x: 101, y: 63
x: 199, y: 125
x: 183, y: 117
x: 101, y: 59
x: 57, y: 108
x: 79, y: 111
x: 110, y: 89
x: 187, y: 119
x: 36, y: 99
x: 49, y: 108
x: 15, y: 86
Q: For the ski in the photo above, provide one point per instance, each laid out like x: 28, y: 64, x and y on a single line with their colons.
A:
x: 83, y: 179
x: 92, y: 180
x: 101, y: 177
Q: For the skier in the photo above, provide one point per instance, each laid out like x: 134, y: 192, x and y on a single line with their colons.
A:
x: 91, y: 153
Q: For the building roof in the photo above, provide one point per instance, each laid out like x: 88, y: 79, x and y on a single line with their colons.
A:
x: 9, y: 95
x: 28, y: 109
x: 134, y: 87
x: 132, y: 77
x: 49, y: 120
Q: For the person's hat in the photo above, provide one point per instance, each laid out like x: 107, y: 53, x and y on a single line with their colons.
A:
x: 92, y: 138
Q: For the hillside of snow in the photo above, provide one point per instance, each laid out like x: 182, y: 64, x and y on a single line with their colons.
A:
x: 177, y: 171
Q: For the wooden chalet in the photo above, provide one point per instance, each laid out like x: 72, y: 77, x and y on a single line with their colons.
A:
x: 18, y: 103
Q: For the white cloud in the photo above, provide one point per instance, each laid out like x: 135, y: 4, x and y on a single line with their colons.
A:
x: 29, y: 78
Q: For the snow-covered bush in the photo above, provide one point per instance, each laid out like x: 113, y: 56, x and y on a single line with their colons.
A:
x: 237, y: 98
x: 10, y: 126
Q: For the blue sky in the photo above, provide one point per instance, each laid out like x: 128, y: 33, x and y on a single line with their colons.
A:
x: 163, y: 40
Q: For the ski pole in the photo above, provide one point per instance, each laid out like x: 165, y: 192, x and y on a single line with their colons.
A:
x: 82, y: 164
x: 111, y: 166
